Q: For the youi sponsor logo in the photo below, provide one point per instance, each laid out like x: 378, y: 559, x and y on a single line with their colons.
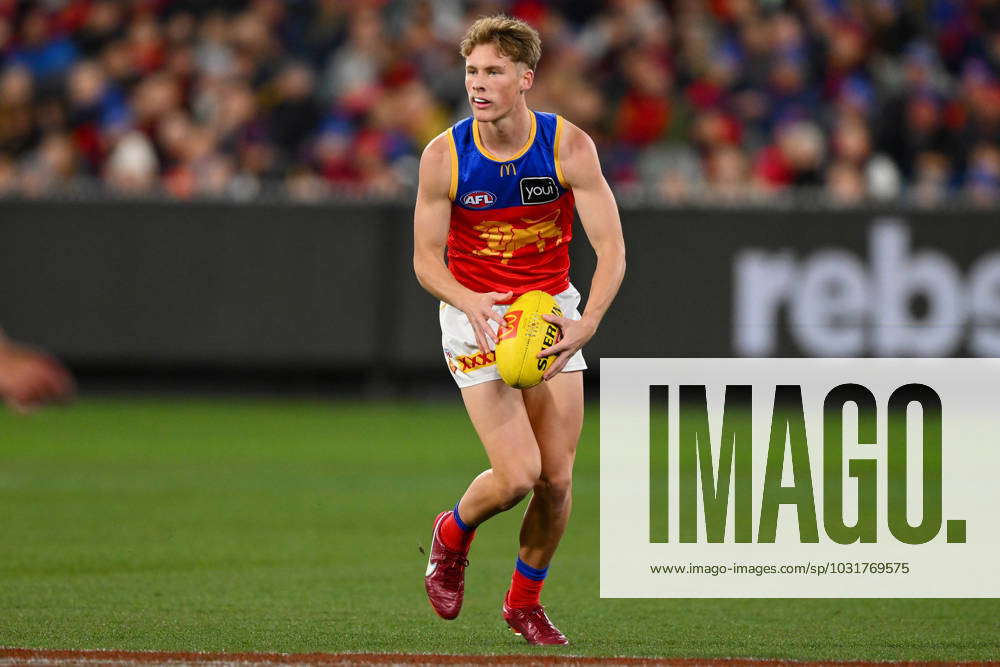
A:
x: 538, y: 190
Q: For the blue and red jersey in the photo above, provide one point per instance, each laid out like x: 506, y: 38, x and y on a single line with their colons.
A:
x: 511, y: 220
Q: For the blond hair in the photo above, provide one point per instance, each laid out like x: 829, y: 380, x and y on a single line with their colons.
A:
x: 513, y: 38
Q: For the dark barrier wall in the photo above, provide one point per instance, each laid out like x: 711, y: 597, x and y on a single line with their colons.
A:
x: 332, y: 286
x: 200, y: 283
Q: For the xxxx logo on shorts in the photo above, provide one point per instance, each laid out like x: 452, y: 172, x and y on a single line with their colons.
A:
x: 511, y: 321
x: 472, y: 362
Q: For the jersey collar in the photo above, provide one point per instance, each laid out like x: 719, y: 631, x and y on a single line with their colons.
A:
x: 490, y: 156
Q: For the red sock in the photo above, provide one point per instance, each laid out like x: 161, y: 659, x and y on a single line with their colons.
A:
x: 453, y: 536
x: 524, y: 592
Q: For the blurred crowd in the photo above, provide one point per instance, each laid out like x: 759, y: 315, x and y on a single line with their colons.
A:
x: 688, y: 100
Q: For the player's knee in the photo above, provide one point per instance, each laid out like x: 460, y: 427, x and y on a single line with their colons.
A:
x: 516, y: 484
x: 514, y: 492
x: 555, y: 487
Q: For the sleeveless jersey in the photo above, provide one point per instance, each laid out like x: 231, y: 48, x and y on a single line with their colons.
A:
x: 511, y: 220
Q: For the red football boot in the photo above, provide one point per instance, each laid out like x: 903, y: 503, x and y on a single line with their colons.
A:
x: 532, y: 624
x: 445, y: 576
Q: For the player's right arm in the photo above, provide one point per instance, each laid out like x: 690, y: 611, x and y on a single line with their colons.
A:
x: 431, y: 219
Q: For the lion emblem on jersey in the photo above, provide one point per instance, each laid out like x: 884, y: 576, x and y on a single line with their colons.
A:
x: 503, y: 239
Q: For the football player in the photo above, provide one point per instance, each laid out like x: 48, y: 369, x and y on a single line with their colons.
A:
x: 496, y: 194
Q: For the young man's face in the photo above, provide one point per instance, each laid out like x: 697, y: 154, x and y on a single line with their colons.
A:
x: 494, y: 82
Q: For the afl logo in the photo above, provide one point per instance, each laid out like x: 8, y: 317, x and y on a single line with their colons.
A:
x: 479, y: 199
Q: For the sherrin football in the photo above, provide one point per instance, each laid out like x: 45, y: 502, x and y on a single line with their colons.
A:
x: 523, y: 335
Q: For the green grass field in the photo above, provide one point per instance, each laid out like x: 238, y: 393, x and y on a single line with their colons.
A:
x: 262, y: 525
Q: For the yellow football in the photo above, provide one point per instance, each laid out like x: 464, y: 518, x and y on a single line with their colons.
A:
x: 523, y: 335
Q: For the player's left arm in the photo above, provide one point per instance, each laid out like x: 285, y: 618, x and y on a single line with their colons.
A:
x: 598, y: 211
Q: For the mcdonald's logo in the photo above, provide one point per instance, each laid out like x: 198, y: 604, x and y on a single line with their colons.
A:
x: 508, y: 169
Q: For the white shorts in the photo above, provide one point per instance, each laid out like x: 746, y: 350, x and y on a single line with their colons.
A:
x: 468, y: 364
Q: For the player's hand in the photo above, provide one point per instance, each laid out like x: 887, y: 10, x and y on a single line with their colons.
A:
x: 30, y: 378
x: 479, y: 309
x: 575, y: 334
